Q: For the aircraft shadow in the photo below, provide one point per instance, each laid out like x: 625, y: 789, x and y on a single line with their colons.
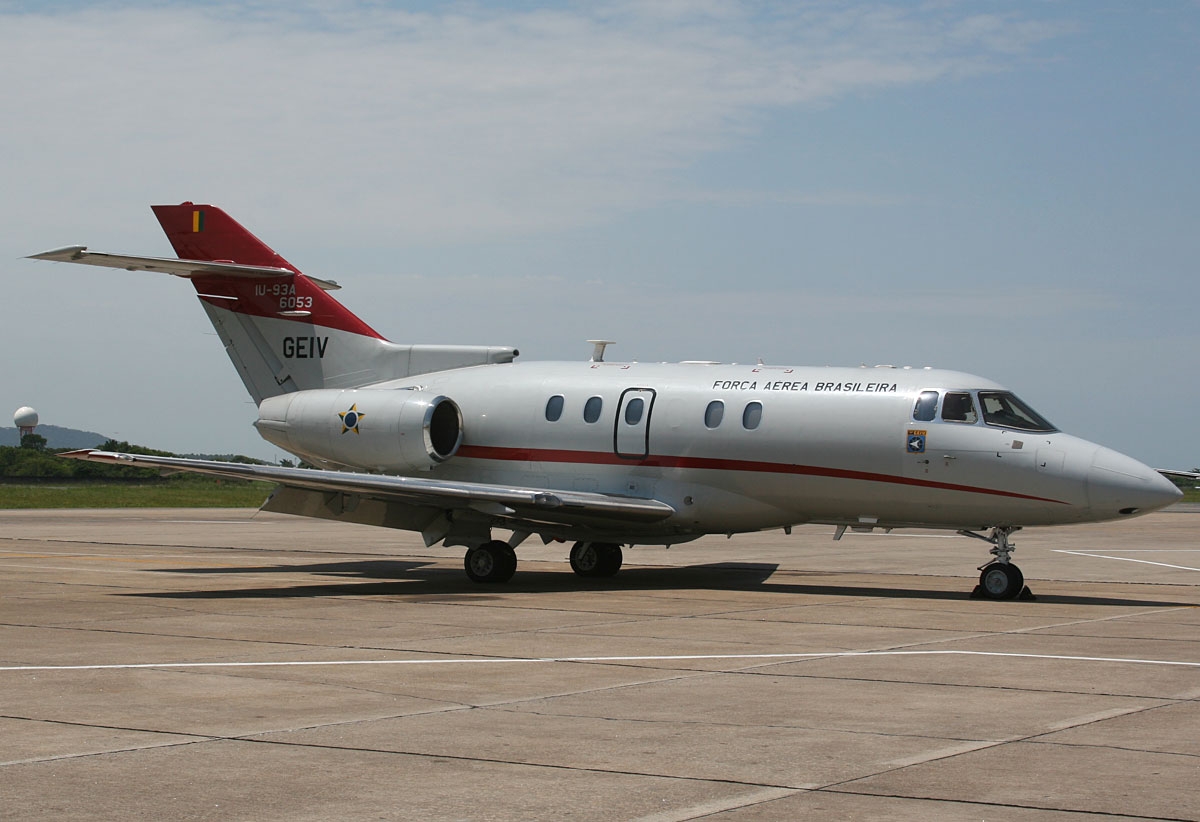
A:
x: 416, y: 580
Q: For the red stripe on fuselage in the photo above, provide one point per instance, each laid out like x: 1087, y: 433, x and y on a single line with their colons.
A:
x: 489, y: 452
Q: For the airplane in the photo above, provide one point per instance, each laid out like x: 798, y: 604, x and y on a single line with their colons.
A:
x: 456, y: 441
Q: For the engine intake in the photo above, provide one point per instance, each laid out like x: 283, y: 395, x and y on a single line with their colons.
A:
x: 375, y: 429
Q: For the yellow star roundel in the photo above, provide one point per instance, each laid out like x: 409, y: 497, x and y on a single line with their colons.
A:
x: 351, y: 418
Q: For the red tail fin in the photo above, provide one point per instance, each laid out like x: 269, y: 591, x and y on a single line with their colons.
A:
x: 205, y: 232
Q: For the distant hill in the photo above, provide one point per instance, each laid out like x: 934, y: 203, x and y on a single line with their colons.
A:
x: 56, y: 437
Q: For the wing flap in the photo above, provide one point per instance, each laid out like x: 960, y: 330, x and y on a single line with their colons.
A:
x: 502, y: 501
x: 168, y: 265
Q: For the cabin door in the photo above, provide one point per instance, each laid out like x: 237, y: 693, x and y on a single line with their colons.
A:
x: 631, y: 435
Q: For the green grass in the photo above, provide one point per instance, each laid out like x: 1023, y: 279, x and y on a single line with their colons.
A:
x: 135, y: 495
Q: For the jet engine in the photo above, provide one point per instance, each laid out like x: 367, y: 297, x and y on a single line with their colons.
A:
x: 375, y: 429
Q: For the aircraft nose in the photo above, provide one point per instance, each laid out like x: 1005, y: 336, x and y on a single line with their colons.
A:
x: 1120, y: 486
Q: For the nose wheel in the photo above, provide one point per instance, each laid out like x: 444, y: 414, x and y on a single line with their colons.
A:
x: 1000, y: 579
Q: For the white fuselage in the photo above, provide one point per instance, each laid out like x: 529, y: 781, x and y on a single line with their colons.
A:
x: 791, y: 445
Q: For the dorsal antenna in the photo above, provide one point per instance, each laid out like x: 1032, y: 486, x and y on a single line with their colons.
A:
x: 598, y: 347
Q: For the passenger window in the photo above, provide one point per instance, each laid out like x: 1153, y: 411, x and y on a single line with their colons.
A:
x: 926, y: 406
x: 633, y: 411
x: 752, y: 416
x: 554, y: 408
x: 591, y: 409
x: 713, y: 414
x: 958, y: 407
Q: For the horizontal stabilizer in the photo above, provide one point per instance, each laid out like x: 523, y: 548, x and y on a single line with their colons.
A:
x: 168, y: 265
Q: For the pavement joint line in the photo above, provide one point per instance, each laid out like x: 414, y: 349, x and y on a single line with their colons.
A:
x: 1125, y: 559
x: 1004, y: 805
x: 86, y: 754
x: 842, y: 786
x: 598, y: 659
x: 514, y: 762
x: 704, y: 810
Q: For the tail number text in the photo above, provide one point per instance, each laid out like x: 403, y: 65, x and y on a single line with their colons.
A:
x: 304, y: 348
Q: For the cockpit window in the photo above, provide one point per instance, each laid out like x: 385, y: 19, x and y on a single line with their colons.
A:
x: 1004, y: 409
x: 958, y: 407
x: 926, y: 406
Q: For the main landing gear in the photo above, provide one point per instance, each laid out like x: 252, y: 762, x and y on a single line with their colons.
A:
x: 596, y: 559
x: 1000, y: 578
x: 493, y: 561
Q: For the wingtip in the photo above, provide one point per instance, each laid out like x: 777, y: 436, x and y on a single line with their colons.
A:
x: 95, y: 455
x: 67, y: 252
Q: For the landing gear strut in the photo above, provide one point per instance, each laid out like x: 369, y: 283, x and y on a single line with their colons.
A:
x: 1000, y: 578
x: 596, y: 559
x: 493, y: 561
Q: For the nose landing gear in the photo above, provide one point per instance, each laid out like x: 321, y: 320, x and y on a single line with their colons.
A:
x: 1000, y: 578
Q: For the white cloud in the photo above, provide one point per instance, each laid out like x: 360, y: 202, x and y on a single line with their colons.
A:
x: 465, y: 121
x: 357, y: 123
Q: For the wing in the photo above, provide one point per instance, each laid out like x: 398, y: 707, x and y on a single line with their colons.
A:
x: 167, y: 265
x: 1171, y: 474
x: 516, y: 504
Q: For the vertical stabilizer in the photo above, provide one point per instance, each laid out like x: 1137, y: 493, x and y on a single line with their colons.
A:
x: 205, y: 232
x: 283, y: 331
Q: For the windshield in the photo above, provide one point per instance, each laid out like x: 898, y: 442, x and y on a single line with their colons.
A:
x: 1005, y: 410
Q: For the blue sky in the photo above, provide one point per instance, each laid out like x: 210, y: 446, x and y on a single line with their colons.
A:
x: 1008, y: 189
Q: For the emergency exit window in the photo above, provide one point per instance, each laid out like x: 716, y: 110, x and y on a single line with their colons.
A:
x: 633, y: 411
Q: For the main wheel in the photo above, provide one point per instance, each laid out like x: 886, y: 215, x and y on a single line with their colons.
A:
x: 1001, y: 580
x: 493, y: 561
x: 596, y: 559
x: 610, y: 559
x: 585, y: 559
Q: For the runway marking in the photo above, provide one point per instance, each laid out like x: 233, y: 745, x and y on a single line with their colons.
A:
x: 1126, y: 559
x: 591, y: 659
x: 1153, y: 550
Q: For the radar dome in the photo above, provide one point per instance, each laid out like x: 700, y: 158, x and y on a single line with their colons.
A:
x: 25, y: 417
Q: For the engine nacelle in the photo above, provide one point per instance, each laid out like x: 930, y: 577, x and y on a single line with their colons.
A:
x: 376, y: 429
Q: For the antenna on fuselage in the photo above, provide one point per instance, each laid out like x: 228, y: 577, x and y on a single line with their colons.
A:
x: 598, y: 347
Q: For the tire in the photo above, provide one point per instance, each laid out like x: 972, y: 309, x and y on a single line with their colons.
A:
x: 585, y: 559
x: 610, y: 559
x: 1001, y: 580
x: 491, y: 562
x: 596, y: 559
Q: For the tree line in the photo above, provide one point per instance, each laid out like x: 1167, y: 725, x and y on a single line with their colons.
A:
x: 33, y: 461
